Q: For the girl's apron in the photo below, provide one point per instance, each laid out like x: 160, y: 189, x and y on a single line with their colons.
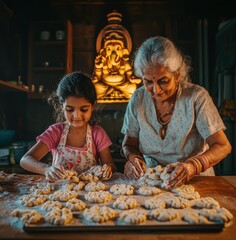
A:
x: 74, y: 159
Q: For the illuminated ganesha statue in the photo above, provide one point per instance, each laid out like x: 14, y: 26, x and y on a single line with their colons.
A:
x: 113, y: 76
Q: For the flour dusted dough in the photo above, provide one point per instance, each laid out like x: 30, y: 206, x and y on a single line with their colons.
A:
x: 206, y: 202
x: 88, y: 177
x: 72, y: 176
x: 33, y: 200
x: 148, y: 190
x: 154, y: 203
x: 99, y: 214
x: 194, y: 218
x: 59, y: 216
x: 186, y: 191
x: 95, y: 186
x: 50, y: 205
x: 163, y: 215
x: 27, y: 216
x: 98, y: 197
x: 44, y: 191
x: 221, y: 215
x: 63, y: 196
x: 125, y: 203
x: 151, y: 177
x: 75, y: 204
x: 176, y: 202
x: 186, y: 188
x: 133, y: 216
x: 79, y: 186
x: 122, y: 189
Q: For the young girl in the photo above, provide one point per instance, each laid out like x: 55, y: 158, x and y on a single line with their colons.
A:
x: 76, y: 144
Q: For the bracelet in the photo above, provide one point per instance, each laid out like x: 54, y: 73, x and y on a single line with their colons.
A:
x: 204, y: 162
x: 195, y: 162
x: 201, y: 163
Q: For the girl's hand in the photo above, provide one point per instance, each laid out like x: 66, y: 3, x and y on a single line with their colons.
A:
x: 55, y: 173
x: 181, y: 173
x: 106, y: 172
x: 135, y: 168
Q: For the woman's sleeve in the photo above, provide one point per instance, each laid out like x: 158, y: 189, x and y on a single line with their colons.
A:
x: 208, y: 119
x: 131, y: 122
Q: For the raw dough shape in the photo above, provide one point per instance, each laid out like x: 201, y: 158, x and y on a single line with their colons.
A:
x: 186, y: 188
x: 194, y: 218
x: 88, y: 177
x: 151, y: 177
x: 33, y: 200
x: 98, y: 197
x: 95, y: 186
x: 99, y: 214
x: 133, y: 216
x: 148, y: 190
x: 79, y: 186
x: 44, y: 191
x: 27, y: 216
x: 221, y: 215
x: 154, y: 203
x: 122, y: 189
x: 63, y: 196
x: 75, y: 204
x: 163, y: 215
x: 206, y: 202
x: 50, y: 205
x: 189, y: 196
x: 59, y: 216
x: 125, y: 203
x: 178, y: 203
x: 72, y: 176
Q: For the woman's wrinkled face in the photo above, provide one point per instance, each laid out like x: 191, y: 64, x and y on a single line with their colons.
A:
x: 160, y: 83
x: 77, y: 111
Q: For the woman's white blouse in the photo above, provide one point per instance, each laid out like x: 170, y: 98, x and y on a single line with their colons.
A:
x: 194, y: 119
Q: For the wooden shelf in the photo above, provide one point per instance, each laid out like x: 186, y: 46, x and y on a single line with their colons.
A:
x: 8, y: 86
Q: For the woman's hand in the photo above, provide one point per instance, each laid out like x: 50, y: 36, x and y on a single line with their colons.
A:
x: 135, y: 167
x: 54, y: 173
x: 180, y: 174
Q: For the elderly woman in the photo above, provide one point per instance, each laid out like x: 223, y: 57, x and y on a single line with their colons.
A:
x: 169, y: 120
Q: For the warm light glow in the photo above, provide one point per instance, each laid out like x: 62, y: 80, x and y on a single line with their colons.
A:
x: 113, y: 75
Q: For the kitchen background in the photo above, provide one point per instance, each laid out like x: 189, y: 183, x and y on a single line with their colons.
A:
x: 205, y: 31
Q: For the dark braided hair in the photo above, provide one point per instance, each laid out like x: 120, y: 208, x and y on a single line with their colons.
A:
x: 75, y: 84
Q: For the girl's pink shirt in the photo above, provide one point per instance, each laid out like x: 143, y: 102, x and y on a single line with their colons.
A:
x: 51, y: 137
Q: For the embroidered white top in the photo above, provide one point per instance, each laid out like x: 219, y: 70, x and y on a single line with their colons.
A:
x: 194, y: 119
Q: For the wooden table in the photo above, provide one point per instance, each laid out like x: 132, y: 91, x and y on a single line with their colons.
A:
x: 216, y: 187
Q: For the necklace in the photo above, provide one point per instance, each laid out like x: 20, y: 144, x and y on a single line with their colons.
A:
x: 164, y: 125
x: 169, y: 112
x: 163, y: 128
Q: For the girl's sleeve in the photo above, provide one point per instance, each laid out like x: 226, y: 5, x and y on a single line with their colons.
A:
x: 100, y: 138
x: 51, y: 136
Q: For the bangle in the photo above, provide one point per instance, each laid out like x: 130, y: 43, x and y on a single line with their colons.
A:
x: 195, y: 162
x: 200, y: 162
x: 204, y: 162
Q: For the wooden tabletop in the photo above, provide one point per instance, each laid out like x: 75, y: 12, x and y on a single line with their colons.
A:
x: 217, y: 187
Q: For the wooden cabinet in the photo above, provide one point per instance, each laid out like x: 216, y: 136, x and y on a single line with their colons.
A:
x: 50, y: 56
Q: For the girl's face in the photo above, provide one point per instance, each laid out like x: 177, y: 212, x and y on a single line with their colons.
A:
x: 77, y: 111
x: 160, y: 83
